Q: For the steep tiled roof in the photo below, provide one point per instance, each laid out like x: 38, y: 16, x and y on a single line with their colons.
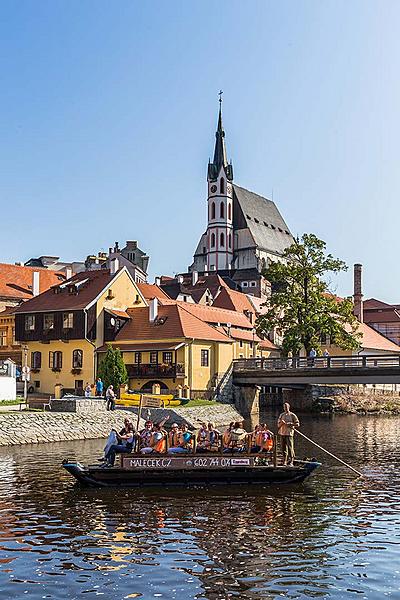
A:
x: 173, y: 322
x: 16, y: 281
x: 373, y: 340
x: 247, y: 336
x: 60, y: 298
x: 232, y: 300
x: 210, y: 314
x: 150, y: 291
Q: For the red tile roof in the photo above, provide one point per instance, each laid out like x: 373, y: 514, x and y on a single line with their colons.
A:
x: 16, y: 281
x: 211, y: 314
x: 247, y: 336
x: 373, y: 340
x: 60, y: 298
x: 233, y: 300
x: 174, y: 322
x: 150, y: 291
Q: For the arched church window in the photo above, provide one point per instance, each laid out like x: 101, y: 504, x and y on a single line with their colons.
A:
x: 222, y: 240
x: 213, y: 210
x: 213, y: 240
x: 229, y: 211
x: 222, y: 210
x: 230, y: 240
x: 222, y: 186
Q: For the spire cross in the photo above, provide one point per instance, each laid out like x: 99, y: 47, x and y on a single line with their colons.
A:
x: 220, y: 97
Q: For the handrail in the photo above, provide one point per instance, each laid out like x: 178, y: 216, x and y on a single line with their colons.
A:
x: 320, y: 362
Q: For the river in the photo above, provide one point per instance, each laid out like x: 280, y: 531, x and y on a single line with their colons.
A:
x: 334, y: 536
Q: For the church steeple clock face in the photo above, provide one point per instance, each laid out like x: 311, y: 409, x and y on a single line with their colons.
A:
x: 213, y: 189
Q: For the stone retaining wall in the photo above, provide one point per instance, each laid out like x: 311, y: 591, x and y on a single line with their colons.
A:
x: 38, y: 427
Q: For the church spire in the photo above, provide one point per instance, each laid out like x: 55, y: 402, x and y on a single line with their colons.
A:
x: 220, y: 159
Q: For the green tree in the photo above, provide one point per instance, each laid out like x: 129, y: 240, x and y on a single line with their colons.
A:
x: 301, y: 306
x: 112, y: 369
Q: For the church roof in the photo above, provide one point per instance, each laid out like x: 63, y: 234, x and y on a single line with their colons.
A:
x: 264, y: 221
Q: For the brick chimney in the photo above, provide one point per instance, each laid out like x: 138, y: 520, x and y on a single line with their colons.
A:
x: 114, y: 266
x: 35, y: 283
x: 358, y: 296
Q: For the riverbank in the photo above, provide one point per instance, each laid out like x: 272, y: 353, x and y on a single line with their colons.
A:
x: 349, y: 404
x: 41, y: 427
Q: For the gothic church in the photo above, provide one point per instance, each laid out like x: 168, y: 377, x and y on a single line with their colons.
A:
x: 244, y: 230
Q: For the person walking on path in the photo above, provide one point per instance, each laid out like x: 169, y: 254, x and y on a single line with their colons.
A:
x: 99, y: 387
x: 110, y: 397
x: 287, y: 421
x: 88, y: 390
x: 312, y: 356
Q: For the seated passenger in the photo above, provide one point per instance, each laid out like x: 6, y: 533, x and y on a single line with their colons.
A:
x: 238, y: 438
x: 185, y: 441
x: 157, y: 441
x: 173, y: 436
x: 213, y: 437
x: 112, y: 438
x: 202, y: 438
x: 145, y: 435
x: 255, y: 439
x: 226, y: 437
x: 266, y: 438
x: 125, y: 444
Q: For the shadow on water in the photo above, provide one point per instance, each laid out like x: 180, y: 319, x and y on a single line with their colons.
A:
x: 334, y: 536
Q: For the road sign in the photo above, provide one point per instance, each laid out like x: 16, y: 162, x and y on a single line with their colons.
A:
x: 26, y: 370
x: 150, y: 402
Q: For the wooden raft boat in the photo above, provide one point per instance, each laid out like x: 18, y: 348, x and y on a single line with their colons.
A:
x: 136, y: 470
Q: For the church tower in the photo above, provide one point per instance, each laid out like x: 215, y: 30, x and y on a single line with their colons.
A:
x: 219, y: 236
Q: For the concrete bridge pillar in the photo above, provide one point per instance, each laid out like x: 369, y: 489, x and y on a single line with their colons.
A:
x: 247, y: 400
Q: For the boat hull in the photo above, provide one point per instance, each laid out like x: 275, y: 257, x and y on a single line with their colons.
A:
x: 96, y: 476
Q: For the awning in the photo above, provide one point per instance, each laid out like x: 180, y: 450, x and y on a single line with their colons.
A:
x: 144, y: 347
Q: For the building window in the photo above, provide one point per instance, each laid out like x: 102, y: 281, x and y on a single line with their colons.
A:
x: 222, y: 240
x: 3, y: 337
x: 138, y: 358
x: 222, y: 186
x: 55, y: 360
x: 252, y: 284
x: 213, y: 240
x: 14, y: 341
x: 48, y: 321
x: 68, y: 320
x: 77, y: 359
x: 244, y: 284
x: 29, y: 322
x: 153, y: 358
x: 222, y: 210
x: 229, y: 211
x: 37, y: 384
x: 78, y: 384
x: 36, y: 360
x: 213, y: 210
x: 167, y: 358
x: 241, y: 343
x: 204, y: 358
x: 230, y: 240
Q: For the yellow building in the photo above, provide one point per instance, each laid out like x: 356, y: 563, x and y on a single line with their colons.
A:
x: 184, y: 345
x: 63, y: 326
x: 9, y: 348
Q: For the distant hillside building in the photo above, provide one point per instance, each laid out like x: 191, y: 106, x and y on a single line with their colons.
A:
x: 244, y: 230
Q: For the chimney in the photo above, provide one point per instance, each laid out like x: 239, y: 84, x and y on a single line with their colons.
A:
x: 110, y: 251
x: 180, y: 278
x: 114, y: 266
x: 357, y: 297
x: 68, y: 272
x: 157, y: 281
x: 195, y: 277
x: 153, y: 310
x: 36, y: 283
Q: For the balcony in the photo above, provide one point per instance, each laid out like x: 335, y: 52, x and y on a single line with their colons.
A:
x: 144, y: 371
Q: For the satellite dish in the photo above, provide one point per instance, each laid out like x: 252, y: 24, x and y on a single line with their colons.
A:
x: 112, y: 321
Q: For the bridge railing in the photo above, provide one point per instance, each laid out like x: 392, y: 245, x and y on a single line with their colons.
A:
x: 320, y: 362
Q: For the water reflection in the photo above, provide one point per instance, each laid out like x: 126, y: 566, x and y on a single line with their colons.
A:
x: 334, y: 537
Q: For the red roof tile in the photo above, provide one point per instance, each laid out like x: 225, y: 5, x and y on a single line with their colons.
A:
x: 16, y: 281
x: 232, y: 300
x: 150, y: 291
x: 60, y: 298
x: 173, y: 322
x: 211, y: 314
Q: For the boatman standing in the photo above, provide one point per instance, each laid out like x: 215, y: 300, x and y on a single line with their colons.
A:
x: 287, y: 421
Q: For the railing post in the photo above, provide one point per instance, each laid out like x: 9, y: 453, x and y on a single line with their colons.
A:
x: 364, y: 361
x: 328, y: 362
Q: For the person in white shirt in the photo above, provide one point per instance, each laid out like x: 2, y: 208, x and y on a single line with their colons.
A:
x: 287, y: 422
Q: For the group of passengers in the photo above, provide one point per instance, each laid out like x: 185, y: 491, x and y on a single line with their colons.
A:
x: 153, y: 438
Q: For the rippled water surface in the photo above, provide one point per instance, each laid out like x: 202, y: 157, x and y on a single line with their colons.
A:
x: 333, y: 537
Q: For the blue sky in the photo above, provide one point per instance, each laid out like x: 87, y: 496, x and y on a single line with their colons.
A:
x: 108, y: 112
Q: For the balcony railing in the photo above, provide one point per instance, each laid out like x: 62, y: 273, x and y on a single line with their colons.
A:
x: 149, y: 370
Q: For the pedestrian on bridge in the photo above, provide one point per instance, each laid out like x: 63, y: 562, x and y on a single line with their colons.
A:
x: 287, y: 421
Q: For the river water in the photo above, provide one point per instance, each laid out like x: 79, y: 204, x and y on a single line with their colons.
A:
x: 334, y: 536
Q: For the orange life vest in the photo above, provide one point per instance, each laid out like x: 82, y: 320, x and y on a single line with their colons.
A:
x: 226, y: 438
x: 160, y: 445
x: 173, y: 439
